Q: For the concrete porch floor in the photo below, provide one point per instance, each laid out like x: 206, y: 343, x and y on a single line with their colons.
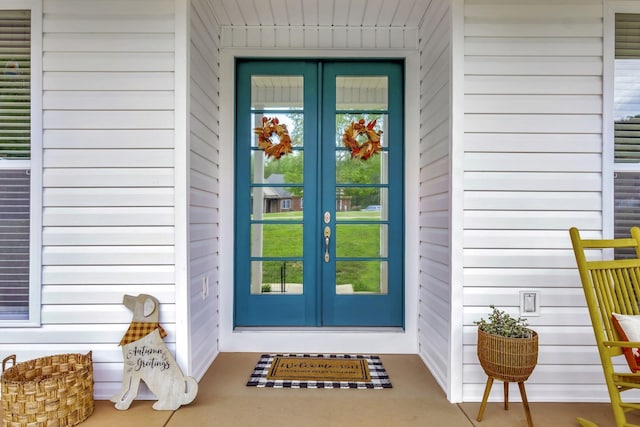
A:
x: 415, y: 400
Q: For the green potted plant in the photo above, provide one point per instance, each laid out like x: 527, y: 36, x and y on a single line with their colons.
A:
x: 507, y: 348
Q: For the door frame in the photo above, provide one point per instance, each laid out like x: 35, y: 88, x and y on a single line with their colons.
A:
x: 301, y: 339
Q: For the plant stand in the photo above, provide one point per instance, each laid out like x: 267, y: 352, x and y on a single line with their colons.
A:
x: 507, y: 360
x: 523, y: 394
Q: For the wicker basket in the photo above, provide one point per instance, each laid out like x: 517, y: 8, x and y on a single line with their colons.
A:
x: 52, y: 391
x: 507, y: 359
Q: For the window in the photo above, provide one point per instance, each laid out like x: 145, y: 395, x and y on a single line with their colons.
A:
x: 626, y: 125
x: 20, y: 133
x: 285, y: 204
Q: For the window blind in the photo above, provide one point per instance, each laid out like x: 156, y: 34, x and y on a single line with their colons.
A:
x: 626, y: 208
x: 627, y: 36
x: 627, y: 88
x: 14, y: 241
x: 15, y: 141
x: 15, y: 83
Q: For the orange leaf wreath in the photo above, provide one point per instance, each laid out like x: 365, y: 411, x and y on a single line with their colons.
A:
x: 269, y: 128
x: 368, y: 148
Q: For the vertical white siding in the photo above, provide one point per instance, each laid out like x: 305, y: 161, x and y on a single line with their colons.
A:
x: 108, y: 178
x: 434, y: 322
x: 532, y: 162
x: 204, y: 186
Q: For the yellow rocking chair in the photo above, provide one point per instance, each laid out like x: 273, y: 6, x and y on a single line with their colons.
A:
x: 611, y: 286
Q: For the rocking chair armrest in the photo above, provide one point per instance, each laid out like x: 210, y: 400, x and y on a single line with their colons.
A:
x: 622, y: 344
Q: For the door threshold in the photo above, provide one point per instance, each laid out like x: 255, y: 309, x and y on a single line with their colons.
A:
x: 319, y: 329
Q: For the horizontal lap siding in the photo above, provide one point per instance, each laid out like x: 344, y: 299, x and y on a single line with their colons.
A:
x: 533, y: 162
x: 204, y: 185
x: 108, y: 211
x: 434, y: 322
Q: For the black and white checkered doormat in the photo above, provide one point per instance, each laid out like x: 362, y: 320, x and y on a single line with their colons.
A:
x: 379, y: 377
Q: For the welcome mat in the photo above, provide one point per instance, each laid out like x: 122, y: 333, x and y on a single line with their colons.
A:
x: 319, y: 371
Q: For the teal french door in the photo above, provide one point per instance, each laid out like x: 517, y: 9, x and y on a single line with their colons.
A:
x: 319, y: 230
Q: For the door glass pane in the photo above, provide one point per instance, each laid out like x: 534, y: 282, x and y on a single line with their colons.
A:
x: 276, y: 92
x: 361, y: 277
x: 292, y: 122
x: 277, y: 203
x: 276, y: 277
x: 285, y: 170
x: 361, y: 240
x: 374, y: 121
x: 362, y: 203
x: 276, y: 240
x: 362, y: 92
x: 372, y: 171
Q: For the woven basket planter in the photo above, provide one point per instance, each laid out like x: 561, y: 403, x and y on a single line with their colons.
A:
x: 52, y: 391
x: 507, y: 359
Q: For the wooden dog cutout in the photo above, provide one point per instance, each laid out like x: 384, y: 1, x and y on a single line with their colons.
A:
x: 147, y: 358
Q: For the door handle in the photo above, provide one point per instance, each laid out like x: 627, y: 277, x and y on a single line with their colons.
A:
x: 327, y: 235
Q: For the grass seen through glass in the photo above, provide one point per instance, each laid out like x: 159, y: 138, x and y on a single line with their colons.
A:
x: 355, y: 241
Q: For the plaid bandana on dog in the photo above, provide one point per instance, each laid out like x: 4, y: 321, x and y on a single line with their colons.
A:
x: 138, y: 330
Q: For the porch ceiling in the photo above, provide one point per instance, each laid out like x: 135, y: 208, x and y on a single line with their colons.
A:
x: 313, y: 13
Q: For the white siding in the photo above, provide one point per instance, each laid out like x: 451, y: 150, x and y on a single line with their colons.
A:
x: 108, y: 196
x: 532, y: 169
x: 204, y: 186
x: 434, y: 323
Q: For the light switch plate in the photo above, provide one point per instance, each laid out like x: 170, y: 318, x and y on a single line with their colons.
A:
x: 529, y: 303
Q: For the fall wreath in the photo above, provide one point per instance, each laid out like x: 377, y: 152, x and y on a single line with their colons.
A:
x: 271, y: 127
x: 367, y: 148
